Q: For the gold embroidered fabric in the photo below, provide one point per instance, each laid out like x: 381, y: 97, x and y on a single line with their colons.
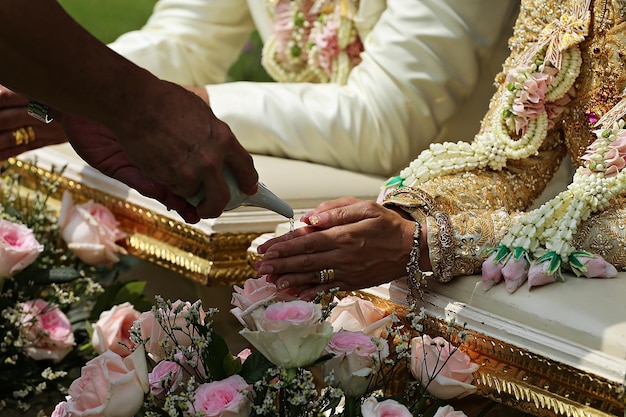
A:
x: 469, y: 212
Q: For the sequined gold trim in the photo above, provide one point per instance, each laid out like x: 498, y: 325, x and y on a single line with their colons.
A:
x: 216, y: 260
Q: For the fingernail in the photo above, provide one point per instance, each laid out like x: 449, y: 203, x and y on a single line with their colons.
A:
x: 314, y: 220
x: 265, y: 269
x: 283, y: 285
x: 271, y: 255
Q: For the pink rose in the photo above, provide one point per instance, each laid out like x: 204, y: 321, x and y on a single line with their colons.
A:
x: 166, y: 376
x: 448, y: 411
x: 515, y: 273
x: 110, y: 386
x: 152, y: 330
x: 290, y: 333
x: 47, y: 329
x: 255, y: 292
x: 90, y: 231
x: 244, y: 354
x: 355, y: 314
x: 445, y: 371
x: 60, y: 410
x: 538, y: 274
x: 491, y: 271
x: 18, y: 248
x: 229, y: 397
x: 112, y: 330
x: 388, y: 408
x: 356, y: 359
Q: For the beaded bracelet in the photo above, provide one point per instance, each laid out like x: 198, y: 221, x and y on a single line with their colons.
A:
x: 413, y: 271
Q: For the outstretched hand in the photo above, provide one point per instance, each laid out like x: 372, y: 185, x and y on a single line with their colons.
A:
x: 364, y: 243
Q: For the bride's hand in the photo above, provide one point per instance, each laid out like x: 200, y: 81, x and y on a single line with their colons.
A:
x: 364, y: 244
x: 20, y: 132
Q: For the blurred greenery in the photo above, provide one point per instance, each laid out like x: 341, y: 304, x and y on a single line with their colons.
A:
x: 108, y: 19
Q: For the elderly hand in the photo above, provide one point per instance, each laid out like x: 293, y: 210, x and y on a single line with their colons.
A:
x: 18, y: 131
x: 100, y: 149
x: 362, y: 242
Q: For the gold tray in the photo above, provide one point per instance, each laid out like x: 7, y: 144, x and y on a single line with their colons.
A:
x: 215, y: 260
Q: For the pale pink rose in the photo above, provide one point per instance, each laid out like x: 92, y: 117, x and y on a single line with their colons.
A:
x: 230, y: 397
x: 110, y: 386
x: 290, y: 333
x: 445, y: 371
x: 18, y: 248
x: 355, y: 314
x: 60, y: 410
x: 538, y: 274
x: 597, y: 267
x: 253, y: 291
x: 165, y: 377
x: 356, y: 359
x: 47, y: 329
x: 387, y: 408
x: 448, y: 411
x: 159, y: 343
x: 491, y: 271
x: 112, y: 330
x: 244, y: 354
x: 256, y: 292
x: 515, y: 273
x: 90, y: 231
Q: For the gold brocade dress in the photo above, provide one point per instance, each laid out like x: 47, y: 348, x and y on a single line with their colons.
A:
x: 470, y: 211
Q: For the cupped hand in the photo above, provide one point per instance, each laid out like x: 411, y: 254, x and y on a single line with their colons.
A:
x: 100, y: 149
x: 20, y: 132
x: 179, y: 142
x: 364, y: 243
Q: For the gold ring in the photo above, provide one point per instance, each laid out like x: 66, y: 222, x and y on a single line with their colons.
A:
x: 24, y: 136
x: 327, y: 275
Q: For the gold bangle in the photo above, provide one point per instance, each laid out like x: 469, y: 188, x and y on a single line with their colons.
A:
x: 413, y: 271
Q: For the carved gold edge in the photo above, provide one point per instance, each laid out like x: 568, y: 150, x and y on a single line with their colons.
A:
x: 219, y: 259
x: 525, y: 380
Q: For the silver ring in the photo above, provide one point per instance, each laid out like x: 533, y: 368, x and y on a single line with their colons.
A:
x: 327, y: 275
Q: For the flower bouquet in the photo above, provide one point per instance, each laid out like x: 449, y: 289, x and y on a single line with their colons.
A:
x: 329, y: 357
x: 53, y: 271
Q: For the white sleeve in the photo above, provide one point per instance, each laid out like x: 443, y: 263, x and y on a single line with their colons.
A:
x: 421, y: 61
x: 191, y: 42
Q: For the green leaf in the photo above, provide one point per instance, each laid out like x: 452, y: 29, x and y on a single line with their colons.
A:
x: 393, y: 182
x: 114, y: 294
x: 518, y: 253
x: 215, y: 357
x: 255, y: 367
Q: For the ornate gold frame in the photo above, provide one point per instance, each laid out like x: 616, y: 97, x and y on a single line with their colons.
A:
x: 525, y: 380
x: 215, y: 260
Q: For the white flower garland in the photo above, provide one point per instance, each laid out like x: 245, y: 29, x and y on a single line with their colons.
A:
x: 323, y: 44
x: 493, y: 147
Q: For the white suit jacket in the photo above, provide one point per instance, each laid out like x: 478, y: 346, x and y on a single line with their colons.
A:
x: 426, y: 75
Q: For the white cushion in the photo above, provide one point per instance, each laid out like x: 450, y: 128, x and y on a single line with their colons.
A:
x: 301, y: 184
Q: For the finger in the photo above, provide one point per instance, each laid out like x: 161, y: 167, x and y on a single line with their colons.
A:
x: 345, y: 214
x: 9, y: 98
x: 301, y: 231
x: 328, y: 205
x: 216, y: 194
x: 297, y: 243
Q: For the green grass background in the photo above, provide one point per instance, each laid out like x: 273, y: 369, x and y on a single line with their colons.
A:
x: 108, y: 19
